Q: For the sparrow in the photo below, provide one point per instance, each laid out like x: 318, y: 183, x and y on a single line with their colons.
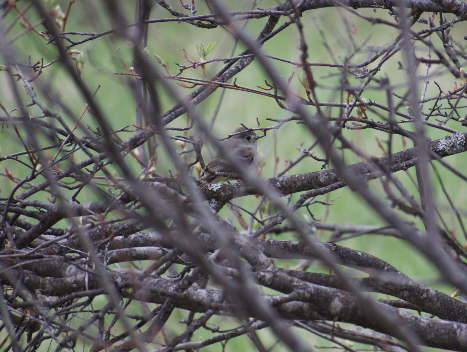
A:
x: 244, y: 146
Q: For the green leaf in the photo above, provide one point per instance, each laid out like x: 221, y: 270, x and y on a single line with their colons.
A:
x: 75, y: 54
x: 304, y: 81
x: 209, y: 48
x: 202, y: 51
x: 159, y: 60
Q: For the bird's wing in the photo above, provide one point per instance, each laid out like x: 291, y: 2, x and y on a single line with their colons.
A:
x: 220, y: 165
x: 217, y: 165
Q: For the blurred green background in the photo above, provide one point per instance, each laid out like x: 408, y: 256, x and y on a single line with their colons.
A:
x: 331, y: 34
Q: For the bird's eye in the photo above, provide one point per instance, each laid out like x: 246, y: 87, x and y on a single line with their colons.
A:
x: 248, y: 138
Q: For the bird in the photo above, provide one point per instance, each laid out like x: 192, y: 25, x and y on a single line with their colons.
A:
x: 244, y: 146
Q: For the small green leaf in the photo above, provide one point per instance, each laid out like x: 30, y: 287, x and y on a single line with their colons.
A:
x: 359, y: 112
x: 209, y: 48
x: 80, y: 58
x: 304, y: 81
x: 198, y: 47
x: 159, y: 60
x: 75, y: 54
x: 202, y: 51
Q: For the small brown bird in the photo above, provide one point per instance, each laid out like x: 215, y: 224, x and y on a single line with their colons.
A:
x: 244, y: 146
